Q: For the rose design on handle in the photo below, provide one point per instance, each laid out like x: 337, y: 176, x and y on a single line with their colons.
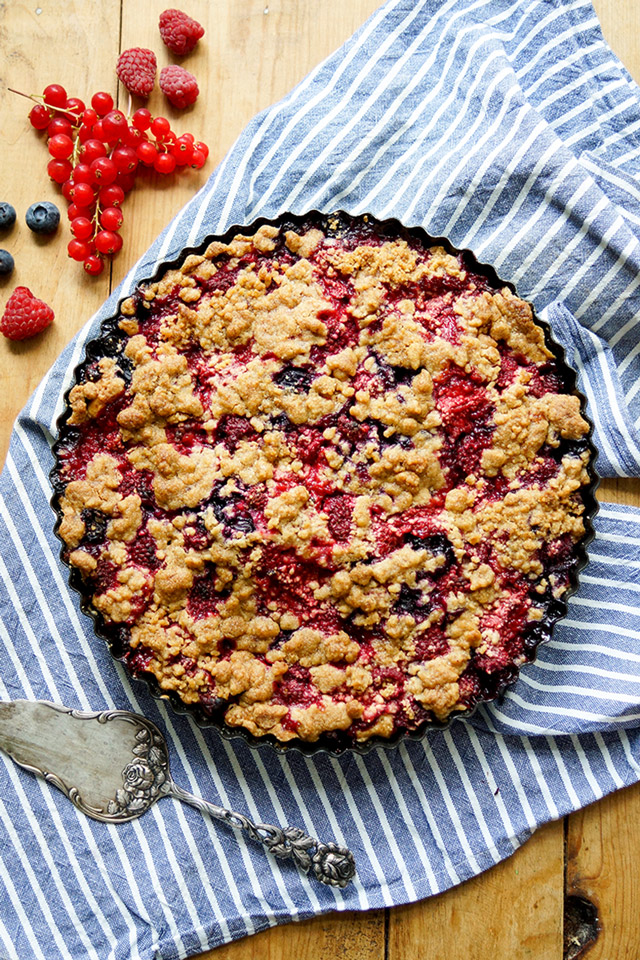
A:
x: 333, y: 864
x: 143, y: 778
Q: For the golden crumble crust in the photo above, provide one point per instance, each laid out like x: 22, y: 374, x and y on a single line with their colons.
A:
x: 327, y: 483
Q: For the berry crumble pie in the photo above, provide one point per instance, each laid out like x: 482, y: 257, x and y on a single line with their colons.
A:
x: 326, y: 480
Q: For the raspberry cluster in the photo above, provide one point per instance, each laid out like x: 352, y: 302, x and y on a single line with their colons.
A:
x: 96, y: 152
x: 137, y: 66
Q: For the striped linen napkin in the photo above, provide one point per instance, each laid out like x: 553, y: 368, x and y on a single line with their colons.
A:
x: 511, y: 128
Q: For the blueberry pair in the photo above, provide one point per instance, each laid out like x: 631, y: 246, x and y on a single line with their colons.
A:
x: 41, y: 217
x: 7, y: 219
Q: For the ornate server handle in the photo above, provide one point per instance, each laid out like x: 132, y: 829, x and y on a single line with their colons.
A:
x: 329, y: 862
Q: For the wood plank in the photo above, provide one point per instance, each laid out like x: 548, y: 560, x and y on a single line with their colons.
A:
x: 349, y: 936
x: 603, y: 852
x: 603, y: 843
x: 30, y: 46
x: 513, y: 910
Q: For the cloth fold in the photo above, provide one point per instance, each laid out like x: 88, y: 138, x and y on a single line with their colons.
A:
x: 512, y: 129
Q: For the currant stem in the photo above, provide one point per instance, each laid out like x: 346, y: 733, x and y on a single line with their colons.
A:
x: 27, y: 96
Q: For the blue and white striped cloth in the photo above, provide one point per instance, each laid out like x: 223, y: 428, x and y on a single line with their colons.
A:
x: 511, y: 128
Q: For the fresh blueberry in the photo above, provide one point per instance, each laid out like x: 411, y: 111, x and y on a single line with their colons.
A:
x: 43, y: 217
x: 7, y: 215
x: 6, y: 262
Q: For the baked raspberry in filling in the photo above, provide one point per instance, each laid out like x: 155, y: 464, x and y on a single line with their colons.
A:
x: 324, y: 481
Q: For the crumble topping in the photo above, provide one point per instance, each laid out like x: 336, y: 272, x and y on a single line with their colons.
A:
x: 88, y: 400
x: 324, y: 481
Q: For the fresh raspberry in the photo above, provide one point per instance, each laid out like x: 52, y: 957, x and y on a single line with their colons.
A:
x: 179, y: 86
x: 136, y: 68
x: 179, y: 32
x: 24, y: 315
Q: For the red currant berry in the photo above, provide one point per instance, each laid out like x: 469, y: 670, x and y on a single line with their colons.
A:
x: 55, y: 95
x: 147, y: 153
x: 125, y: 159
x: 182, y: 150
x: 85, y: 133
x: 83, y: 195
x: 92, y: 149
x: 75, y: 105
x: 59, y: 125
x: 111, y: 218
x: 202, y: 147
x: 117, y: 243
x: 75, y: 210
x: 141, y: 119
x: 67, y: 189
x: 126, y: 181
x: 97, y: 131
x: 133, y: 137
x: 94, y: 265
x: 198, y: 159
x: 39, y: 117
x: 102, y: 103
x: 78, y: 250
x: 160, y: 127
x: 82, y: 228
x: 111, y: 196
x: 165, y: 163
x: 183, y: 157
x: 188, y: 136
x: 82, y: 173
x: 105, y: 241
x: 89, y: 117
x: 114, y: 125
x: 104, y: 170
x: 60, y: 146
x: 59, y: 170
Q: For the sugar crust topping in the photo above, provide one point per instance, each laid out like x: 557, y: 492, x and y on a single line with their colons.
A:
x: 326, y: 480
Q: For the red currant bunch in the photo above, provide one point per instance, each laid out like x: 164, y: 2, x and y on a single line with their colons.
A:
x: 96, y: 152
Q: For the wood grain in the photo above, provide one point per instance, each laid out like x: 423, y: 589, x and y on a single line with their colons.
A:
x: 512, y: 910
x: 347, y: 936
x: 254, y: 52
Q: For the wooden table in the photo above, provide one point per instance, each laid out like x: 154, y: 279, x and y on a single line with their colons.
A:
x: 253, y: 53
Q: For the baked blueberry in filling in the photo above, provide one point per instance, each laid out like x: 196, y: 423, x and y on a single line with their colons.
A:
x: 324, y: 480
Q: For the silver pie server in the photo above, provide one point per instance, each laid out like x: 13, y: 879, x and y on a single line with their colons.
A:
x: 114, y: 765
